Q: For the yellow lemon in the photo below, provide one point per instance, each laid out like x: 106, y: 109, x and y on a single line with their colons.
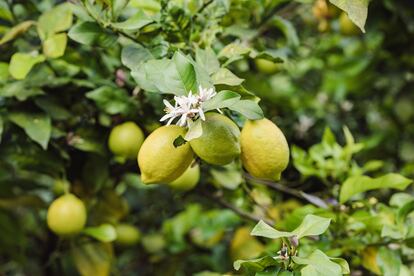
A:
x: 265, y: 151
x: 346, y: 26
x: 244, y: 246
x: 66, y: 215
x: 219, y: 144
x: 125, y: 140
x: 127, y: 234
x: 188, y: 180
x: 159, y: 160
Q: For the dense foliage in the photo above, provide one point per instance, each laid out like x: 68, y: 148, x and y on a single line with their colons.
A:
x: 70, y: 72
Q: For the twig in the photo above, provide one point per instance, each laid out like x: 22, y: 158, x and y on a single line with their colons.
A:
x: 279, y: 187
x: 219, y: 199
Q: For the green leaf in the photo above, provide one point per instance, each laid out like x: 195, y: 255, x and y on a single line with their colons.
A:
x: 53, y: 108
x: 318, y: 264
x: 111, y: 100
x: 5, y: 12
x: 207, y: 59
x: 22, y: 63
x: 388, y: 261
x: 225, y: 76
x: 4, y: 71
x: 288, y: 30
x: 91, y: 33
x: 135, y: 22
x: 19, y: 90
x: 55, y: 45
x: 133, y: 56
x: 264, y: 230
x: 195, y: 130
x: 186, y: 72
x: 103, y: 233
x: 249, y: 109
x: 223, y: 99
x: 92, y: 258
x: 256, y: 264
x: 37, y: 126
x: 357, y: 10
x: 404, y: 211
x: 16, y: 31
x: 56, y: 20
x: 312, y: 226
x: 358, y: 184
x: 90, y: 140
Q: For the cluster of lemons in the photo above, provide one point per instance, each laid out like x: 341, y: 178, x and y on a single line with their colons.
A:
x: 260, y: 144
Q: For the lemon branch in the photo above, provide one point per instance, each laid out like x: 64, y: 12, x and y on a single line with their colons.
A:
x: 282, y: 188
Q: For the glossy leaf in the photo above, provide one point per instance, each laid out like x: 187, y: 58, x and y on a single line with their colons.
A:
x: 37, y: 126
x: 16, y: 31
x: 91, y: 33
x: 55, y: 45
x: 22, y: 63
x: 318, y: 264
x: 357, y: 10
x: 223, y: 99
x: 358, y: 184
x: 249, y: 109
x: 103, y: 232
x: 56, y: 20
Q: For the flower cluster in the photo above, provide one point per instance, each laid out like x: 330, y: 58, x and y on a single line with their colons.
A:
x: 187, y: 107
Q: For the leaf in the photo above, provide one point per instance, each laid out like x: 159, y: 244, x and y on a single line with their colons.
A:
x: 91, y: 33
x: 56, y: 20
x: 133, y: 56
x: 264, y: 230
x: 207, y: 59
x: 388, y: 261
x: 249, y: 109
x: 343, y: 263
x: 4, y: 71
x: 55, y: 45
x: 90, y: 140
x: 111, y: 100
x: 135, y: 22
x: 223, y: 99
x: 37, y: 126
x: 103, y: 232
x: 288, y: 30
x: 19, y: 90
x: 358, y: 184
x: 225, y: 76
x: 404, y: 211
x: 318, y: 264
x: 92, y: 258
x: 312, y: 226
x: 186, y: 72
x: 256, y: 264
x: 195, y: 130
x: 357, y: 10
x: 22, y: 63
x: 16, y: 31
x: 53, y: 108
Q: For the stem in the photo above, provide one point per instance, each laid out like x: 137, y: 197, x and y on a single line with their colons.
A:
x: 220, y: 200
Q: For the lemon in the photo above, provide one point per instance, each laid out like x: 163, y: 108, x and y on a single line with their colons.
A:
x: 346, y: 26
x: 188, y: 180
x: 265, y: 151
x: 66, y: 215
x: 267, y: 66
x: 244, y: 246
x: 219, y: 144
x: 127, y: 234
x: 125, y: 140
x: 159, y: 160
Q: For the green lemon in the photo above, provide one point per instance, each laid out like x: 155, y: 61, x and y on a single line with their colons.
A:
x: 219, y: 144
x: 265, y: 151
x: 125, y: 140
x: 346, y: 26
x: 66, y: 215
x: 188, y: 180
x: 267, y: 66
x: 159, y: 160
x: 127, y: 234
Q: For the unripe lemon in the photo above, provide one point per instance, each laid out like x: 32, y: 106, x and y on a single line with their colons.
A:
x: 66, y: 215
x: 127, y: 234
x: 219, y: 144
x: 267, y: 66
x: 159, y: 160
x: 188, y: 180
x: 125, y: 140
x: 265, y: 151
x: 347, y: 27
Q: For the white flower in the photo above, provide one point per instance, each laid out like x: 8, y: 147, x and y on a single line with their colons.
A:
x: 187, y: 108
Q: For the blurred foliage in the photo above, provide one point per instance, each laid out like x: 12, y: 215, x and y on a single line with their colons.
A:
x: 65, y: 82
